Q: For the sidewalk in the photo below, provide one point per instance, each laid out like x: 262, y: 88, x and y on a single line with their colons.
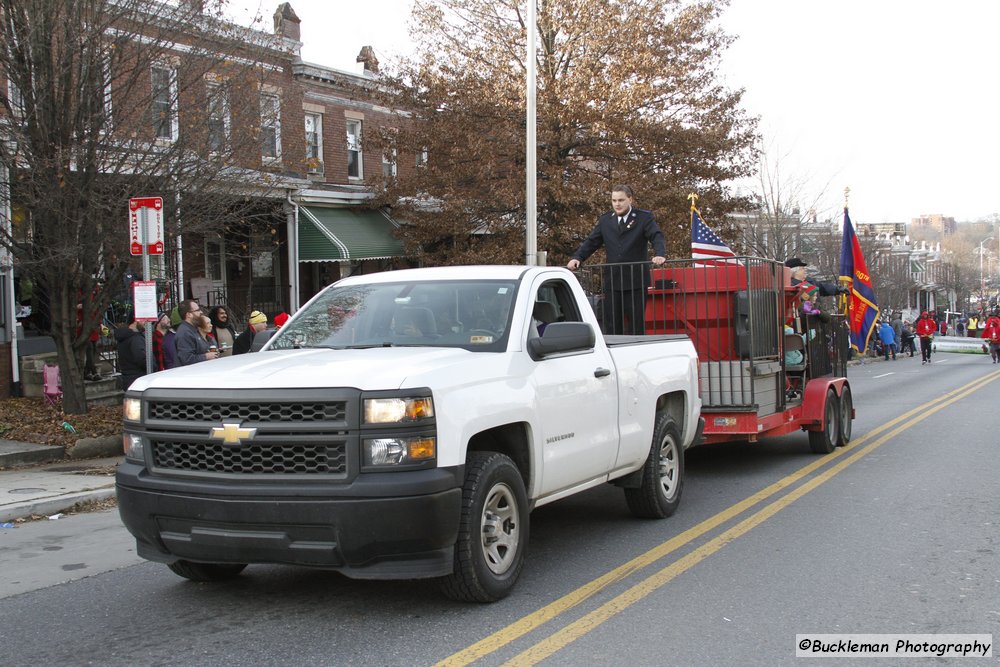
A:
x: 28, y: 486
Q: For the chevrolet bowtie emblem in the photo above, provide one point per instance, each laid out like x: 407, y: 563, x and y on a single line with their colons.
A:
x: 232, y: 434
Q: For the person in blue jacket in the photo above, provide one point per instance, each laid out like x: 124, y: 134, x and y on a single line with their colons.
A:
x: 887, y: 335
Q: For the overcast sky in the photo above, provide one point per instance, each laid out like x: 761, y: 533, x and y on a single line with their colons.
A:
x: 896, y: 99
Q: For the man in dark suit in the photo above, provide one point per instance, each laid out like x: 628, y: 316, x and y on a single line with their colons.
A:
x: 625, y: 232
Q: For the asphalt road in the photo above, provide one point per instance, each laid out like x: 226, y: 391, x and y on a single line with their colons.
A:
x: 895, y: 534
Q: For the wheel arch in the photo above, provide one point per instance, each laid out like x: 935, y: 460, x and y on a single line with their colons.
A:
x: 509, y: 439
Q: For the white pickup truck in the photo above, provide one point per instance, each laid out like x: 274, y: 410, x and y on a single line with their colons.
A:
x: 404, y: 425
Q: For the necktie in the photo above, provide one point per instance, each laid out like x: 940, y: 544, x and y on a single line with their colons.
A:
x: 621, y: 222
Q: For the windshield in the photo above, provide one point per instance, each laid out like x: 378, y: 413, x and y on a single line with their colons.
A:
x: 474, y: 315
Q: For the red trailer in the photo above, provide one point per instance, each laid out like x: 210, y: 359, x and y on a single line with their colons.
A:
x: 743, y: 318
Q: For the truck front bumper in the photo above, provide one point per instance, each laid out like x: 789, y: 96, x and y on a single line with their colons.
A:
x: 399, y: 525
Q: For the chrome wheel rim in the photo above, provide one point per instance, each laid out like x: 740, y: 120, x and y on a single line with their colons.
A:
x: 500, y: 529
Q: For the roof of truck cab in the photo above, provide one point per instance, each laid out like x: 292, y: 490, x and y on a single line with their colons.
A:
x: 487, y: 272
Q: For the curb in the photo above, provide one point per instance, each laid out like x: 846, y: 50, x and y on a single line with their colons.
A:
x: 47, y: 506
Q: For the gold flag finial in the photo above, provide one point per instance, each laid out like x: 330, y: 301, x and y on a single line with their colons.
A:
x: 694, y: 199
x: 847, y: 195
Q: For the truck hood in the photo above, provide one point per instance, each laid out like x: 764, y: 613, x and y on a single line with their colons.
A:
x: 366, y: 369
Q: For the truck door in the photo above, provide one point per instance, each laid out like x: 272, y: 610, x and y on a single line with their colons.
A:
x: 577, y: 399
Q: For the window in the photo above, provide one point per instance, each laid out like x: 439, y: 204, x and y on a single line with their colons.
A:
x: 270, y: 127
x: 164, y: 109
x: 389, y: 163
x: 314, y: 142
x: 354, y: 166
x: 422, y: 158
x: 213, y: 259
x: 218, y: 118
x: 15, y: 98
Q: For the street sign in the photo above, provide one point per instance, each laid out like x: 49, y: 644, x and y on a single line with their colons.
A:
x: 149, y: 209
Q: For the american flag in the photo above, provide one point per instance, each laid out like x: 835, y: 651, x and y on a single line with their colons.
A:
x: 706, y: 244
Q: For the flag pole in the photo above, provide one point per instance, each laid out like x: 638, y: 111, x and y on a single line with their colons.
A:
x: 844, y: 300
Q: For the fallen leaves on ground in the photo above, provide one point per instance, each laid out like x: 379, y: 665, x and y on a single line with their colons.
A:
x: 33, y: 420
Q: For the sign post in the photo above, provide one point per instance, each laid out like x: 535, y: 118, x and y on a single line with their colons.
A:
x: 145, y: 238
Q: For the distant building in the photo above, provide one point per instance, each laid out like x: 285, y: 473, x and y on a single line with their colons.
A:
x: 935, y: 221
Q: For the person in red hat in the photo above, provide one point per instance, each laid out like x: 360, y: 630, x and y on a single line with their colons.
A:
x: 926, y: 328
x: 991, y: 333
x: 280, y: 319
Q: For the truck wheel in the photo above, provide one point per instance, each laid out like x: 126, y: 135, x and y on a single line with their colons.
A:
x: 846, y: 420
x: 659, y: 494
x: 825, y: 441
x: 206, y: 571
x: 492, y: 531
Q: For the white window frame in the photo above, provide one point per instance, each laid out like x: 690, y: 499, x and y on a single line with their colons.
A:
x: 421, y: 160
x: 389, y: 163
x: 15, y: 98
x: 354, y: 146
x: 174, y: 121
x: 272, y: 101
x: 314, y: 147
x: 217, y: 94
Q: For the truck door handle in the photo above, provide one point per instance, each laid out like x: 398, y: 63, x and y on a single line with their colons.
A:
x: 602, y: 372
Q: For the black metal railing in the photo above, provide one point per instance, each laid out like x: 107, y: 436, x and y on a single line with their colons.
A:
x: 735, y: 313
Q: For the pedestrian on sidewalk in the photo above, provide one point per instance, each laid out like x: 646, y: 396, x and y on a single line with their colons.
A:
x: 888, y: 338
x: 131, y: 353
x: 925, y: 331
x: 907, y: 337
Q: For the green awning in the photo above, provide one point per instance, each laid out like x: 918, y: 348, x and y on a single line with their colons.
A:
x: 344, y: 234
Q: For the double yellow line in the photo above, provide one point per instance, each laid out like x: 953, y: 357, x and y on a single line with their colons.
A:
x: 570, y: 633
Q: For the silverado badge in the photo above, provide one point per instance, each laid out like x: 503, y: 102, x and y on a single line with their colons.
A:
x: 232, y: 434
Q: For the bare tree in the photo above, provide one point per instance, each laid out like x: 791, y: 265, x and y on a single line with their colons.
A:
x: 108, y: 99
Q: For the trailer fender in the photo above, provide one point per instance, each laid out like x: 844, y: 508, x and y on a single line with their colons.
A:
x: 814, y: 400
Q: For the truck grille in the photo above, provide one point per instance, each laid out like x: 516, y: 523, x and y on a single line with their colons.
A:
x: 321, y: 459
x: 257, y: 412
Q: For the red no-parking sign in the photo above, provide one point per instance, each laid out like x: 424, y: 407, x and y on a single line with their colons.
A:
x: 150, y: 209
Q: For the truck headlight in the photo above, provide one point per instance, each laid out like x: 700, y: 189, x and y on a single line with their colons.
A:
x: 399, y: 451
x: 396, y: 410
x: 132, y: 409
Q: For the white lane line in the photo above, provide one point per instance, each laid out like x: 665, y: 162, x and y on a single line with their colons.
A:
x: 882, y: 376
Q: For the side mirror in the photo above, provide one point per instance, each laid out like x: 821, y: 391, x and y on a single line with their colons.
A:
x: 260, y: 339
x: 562, y: 337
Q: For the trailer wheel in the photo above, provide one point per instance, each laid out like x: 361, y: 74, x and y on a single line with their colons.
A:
x: 492, y: 530
x: 825, y: 441
x: 206, y: 571
x: 659, y: 494
x: 846, y: 419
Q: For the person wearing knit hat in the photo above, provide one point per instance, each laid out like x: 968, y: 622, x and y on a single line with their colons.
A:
x: 256, y: 322
x: 280, y: 319
x: 162, y: 357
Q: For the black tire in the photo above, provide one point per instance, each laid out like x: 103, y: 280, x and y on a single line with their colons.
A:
x: 206, y: 571
x: 492, y: 531
x: 659, y: 494
x: 825, y: 441
x: 846, y: 418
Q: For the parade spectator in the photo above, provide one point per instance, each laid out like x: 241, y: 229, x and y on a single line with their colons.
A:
x: 280, y: 319
x: 131, y: 353
x: 625, y: 233
x: 159, y: 333
x: 991, y: 334
x: 897, y: 327
x: 205, y: 331
x: 257, y: 322
x: 925, y: 331
x: 907, y: 337
x: 222, y: 329
x: 191, y: 347
x: 887, y: 335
